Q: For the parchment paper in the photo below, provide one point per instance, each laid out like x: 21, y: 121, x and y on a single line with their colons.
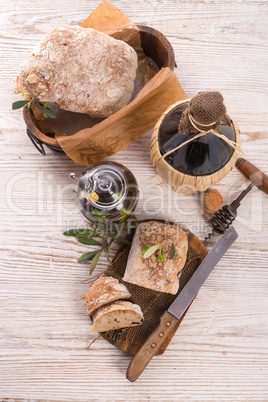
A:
x: 87, y: 140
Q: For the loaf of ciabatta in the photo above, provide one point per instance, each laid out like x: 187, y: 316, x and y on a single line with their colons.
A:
x: 119, y: 314
x: 103, y: 291
x: 156, y: 273
x: 81, y: 70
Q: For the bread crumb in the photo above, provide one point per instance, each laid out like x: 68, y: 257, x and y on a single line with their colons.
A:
x: 32, y: 78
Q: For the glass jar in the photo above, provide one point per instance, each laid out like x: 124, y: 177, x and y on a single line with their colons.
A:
x: 107, y: 192
x: 200, y: 157
x: 201, y: 162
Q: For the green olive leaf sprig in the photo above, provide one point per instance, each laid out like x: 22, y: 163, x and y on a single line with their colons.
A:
x: 99, y: 214
x: 102, y: 214
x: 161, y: 257
x: 94, y: 261
x: 104, y: 237
x: 43, y: 107
x: 149, y: 251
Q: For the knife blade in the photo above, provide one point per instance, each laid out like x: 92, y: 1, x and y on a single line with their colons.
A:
x: 186, y: 296
x: 178, y: 308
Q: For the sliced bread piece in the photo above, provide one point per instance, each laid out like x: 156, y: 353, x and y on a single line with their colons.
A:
x: 159, y: 274
x: 117, y: 315
x: 103, y: 291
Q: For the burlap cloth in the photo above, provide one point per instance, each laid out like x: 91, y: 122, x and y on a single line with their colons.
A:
x: 152, y: 303
x: 204, y: 113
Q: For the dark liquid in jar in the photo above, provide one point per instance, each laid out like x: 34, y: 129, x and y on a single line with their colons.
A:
x: 200, y: 157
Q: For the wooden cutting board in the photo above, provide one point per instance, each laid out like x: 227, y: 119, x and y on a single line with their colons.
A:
x: 152, y: 303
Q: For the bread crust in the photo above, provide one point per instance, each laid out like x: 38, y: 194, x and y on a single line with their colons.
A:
x: 103, y: 291
x: 150, y: 272
x: 82, y: 70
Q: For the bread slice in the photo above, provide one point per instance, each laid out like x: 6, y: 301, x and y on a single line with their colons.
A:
x: 103, y: 291
x: 117, y: 315
x: 152, y: 273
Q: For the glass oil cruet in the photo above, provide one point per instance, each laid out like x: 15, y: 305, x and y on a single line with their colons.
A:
x: 107, y: 192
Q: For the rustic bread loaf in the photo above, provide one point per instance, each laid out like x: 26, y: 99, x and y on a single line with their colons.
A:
x: 103, y: 291
x: 160, y: 275
x: 82, y: 70
x: 117, y: 315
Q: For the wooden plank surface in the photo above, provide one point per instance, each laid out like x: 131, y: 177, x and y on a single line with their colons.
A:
x: 220, y: 351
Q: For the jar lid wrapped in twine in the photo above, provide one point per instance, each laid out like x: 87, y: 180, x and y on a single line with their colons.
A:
x: 203, y: 115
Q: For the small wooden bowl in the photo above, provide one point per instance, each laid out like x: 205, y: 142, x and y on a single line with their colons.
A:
x: 155, y: 46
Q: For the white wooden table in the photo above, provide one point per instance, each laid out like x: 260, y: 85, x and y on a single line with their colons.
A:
x: 220, y: 352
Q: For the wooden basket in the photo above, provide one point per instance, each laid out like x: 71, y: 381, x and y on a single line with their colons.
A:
x: 180, y: 182
x: 155, y: 46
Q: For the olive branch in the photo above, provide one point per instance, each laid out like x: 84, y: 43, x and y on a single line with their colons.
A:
x: 28, y: 101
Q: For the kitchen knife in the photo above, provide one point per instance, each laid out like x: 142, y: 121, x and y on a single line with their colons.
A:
x: 178, y: 308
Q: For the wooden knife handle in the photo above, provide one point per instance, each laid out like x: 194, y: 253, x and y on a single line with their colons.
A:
x: 151, y: 346
x: 254, y: 174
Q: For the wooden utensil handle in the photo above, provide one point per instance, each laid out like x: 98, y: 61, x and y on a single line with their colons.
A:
x: 151, y: 346
x: 253, y: 174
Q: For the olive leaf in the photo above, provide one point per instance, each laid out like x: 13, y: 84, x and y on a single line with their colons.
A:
x: 19, y: 104
x: 78, y: 232
x: 94, y: 262
x: 86, y: 236
x: 118, y: 238
x: 107, y: 248
x: 46, y: 111
x: 99, y: 214
x: 151, y: 250
x: 161, y: 255
x: 107, y: 251
x: 88, y: 241
x: 125, y: 213
x: 95, y: 212
x: 88, y: 233
x: 148, y: 251
x: 172, y: 251
x: 87, y: 256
